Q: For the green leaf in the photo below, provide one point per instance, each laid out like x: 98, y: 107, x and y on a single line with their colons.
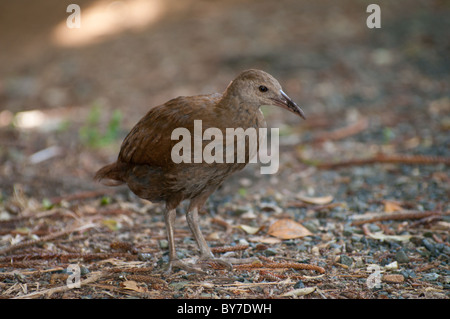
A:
x: 105, y: 200
x: 91, y: 136
x: 47, y: 204
x: 242, y: 191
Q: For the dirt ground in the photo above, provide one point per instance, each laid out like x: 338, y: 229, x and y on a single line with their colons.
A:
x: 358, y: 209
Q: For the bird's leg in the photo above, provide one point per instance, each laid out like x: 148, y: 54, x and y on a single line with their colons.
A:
x: 205, y: 252
x: 192, y: 219
x: 174, y: 262
x: 169, y: 218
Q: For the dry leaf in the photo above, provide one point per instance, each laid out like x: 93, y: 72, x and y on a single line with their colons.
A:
x: 288, y: 229
x: 299, y: 292
x: 132, y: 285
x: 316, y: 200
x: 381, y: 236
x: 112, y: 224
x: 393, y: 265
x: 214, y: 236
x: 390, y: 207
x: 442, y: 226
x: 249, y: 215
x: 269, y: 207
x: 265, y: 240
x: 249, y: 229
x: 433, y: 289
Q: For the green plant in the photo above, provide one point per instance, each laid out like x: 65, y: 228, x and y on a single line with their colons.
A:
x: 388, y: 135
x: 91, y: 135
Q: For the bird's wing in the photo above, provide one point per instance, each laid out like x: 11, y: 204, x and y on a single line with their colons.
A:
x: 149, y: 142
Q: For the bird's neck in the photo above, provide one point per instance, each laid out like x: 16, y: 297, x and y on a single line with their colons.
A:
x: 238, y: 113
x: 233, y: 101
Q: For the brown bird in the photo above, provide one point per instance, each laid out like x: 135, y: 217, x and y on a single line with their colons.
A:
x: 145, y: 162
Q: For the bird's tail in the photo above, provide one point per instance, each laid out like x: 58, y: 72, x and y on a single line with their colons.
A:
x: 110, y: 175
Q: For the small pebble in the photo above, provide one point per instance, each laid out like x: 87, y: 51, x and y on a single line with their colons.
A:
x: 144, y: 256
x: 180, y: 285
x: 243, y: 242
x: 429, y: 245
x: 270, y: 252
x: 84, y: 270
x: 430, y: 277
x: 401, y: 257
x: 349, y: 230
x: 408, y: 273
x: 345, y: 260
x: 374, y: 228
x: 299, y: 284
x: 359, y: 263
x: 163, y: 244
x: 392, y: 265
x: 311, y: 225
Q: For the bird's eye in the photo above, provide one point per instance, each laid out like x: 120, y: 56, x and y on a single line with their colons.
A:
x: 263, y: 88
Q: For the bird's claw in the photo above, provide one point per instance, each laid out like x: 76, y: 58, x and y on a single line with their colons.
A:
x: 183, y: 266
x: 214, y: 263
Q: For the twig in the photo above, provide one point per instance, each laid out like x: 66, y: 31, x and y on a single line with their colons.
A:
x: 426, y: 220
x: 257, y: 284
x: 299, y: 204
x: 296, y: 266
x: 389, y: 159
x: 266, y: 259
x: 133, y: 270
x: 45, y: 238
x: 427, y: 267
x: 80, y: 196
x: 271, y: 276
x: 352, y: 129
x: 92, y: 278
x: 229, y: 248
x: 147, y: 279
x: 287, y: 265
x: 398, y: 216
x: 117, y: 211
x: 26, y: 215
x: 221, y: 222
x: 14, y: 260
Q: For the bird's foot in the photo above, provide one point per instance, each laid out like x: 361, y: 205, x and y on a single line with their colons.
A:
x: 214, y: 263
x: 178, y: 264
x: 208, y: 263
x: 223, y: 263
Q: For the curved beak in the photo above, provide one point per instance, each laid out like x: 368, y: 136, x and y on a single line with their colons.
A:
x: 285, y: 102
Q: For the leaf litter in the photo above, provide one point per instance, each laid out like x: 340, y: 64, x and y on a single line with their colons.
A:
x: 371, y: 162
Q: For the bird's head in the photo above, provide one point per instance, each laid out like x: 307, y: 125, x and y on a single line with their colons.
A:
x: 256, y: 87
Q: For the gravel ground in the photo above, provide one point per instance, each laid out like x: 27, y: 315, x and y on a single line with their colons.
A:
x: 358, y: 209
